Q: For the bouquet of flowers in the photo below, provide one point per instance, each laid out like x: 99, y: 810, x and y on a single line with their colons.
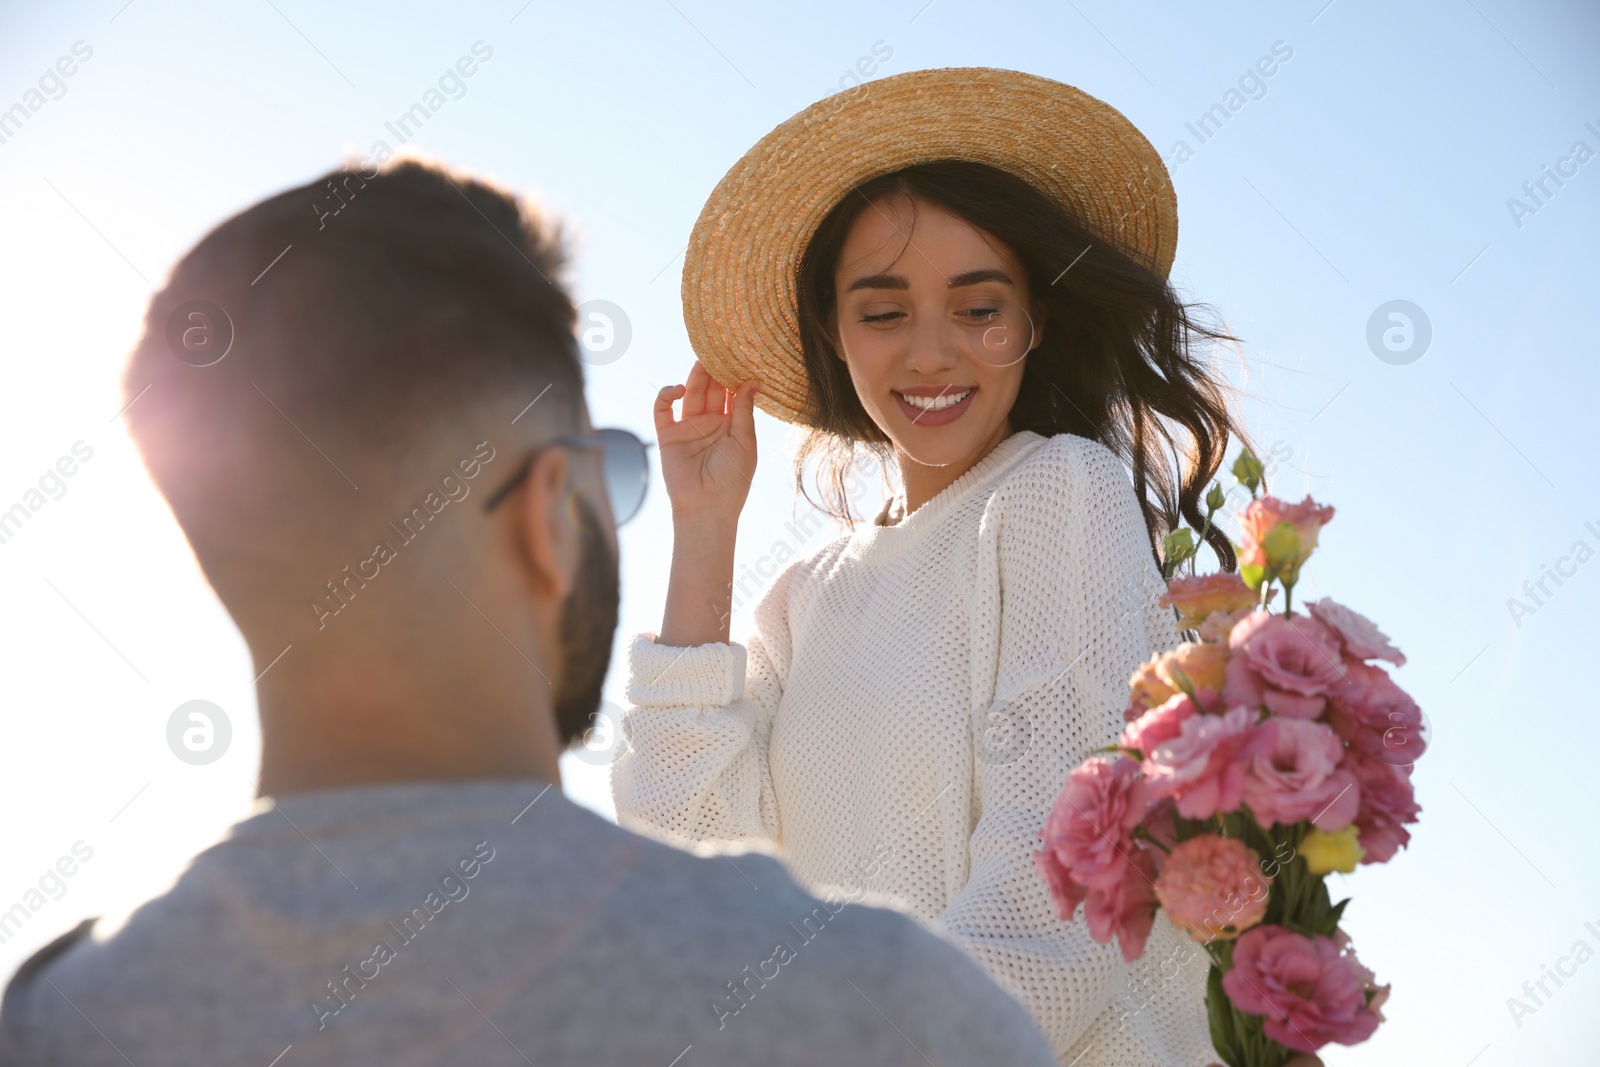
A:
x: 1260, y: 756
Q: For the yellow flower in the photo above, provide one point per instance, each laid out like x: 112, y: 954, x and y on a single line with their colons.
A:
x: 1338, y: 851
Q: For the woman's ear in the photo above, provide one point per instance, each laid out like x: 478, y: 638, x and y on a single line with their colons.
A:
x: 548, y: 541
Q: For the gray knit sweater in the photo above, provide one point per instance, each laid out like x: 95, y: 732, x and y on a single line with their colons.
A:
x: 474, y: 923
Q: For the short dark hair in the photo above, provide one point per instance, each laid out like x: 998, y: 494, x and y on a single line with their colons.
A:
x: 366, y: 311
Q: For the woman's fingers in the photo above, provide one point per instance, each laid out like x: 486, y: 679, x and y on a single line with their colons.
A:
x: 744, y: 412
x: 663, y: 409
x: 716, y: 396
x: 694, y: 391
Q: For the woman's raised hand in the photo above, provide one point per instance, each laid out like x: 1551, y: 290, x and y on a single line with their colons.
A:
x: 708, y: 454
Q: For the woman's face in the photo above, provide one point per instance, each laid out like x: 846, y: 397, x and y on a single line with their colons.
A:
x: 932, y: 320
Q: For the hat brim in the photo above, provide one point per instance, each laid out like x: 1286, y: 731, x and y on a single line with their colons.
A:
x: 739, y: 273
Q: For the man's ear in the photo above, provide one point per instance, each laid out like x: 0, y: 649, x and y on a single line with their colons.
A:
x: 545, y: 533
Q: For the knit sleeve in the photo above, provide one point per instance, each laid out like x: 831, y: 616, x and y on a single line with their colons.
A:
x: 694, y: 763
x: 1054, y: 645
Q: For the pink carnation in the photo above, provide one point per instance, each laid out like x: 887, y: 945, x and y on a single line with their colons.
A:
x: 1287, y: 664
x: 1202, y: 768
x: 1089, y: 832
x: 1166, y: 721
x: 1309, y: 992
x: 1388, y: 805
x: 1300, y: 778
x: 1212, y: 887
x: 1376, y: 716
x: 1359, y: 634
x: 1127, y: 911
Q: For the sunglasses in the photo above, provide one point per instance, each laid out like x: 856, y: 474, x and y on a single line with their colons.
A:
x: 627, y: 469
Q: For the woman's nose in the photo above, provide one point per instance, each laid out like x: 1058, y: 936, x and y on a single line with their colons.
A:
x: 933, y: 346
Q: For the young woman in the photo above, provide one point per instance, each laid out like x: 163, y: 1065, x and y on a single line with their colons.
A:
x: 962, y: 273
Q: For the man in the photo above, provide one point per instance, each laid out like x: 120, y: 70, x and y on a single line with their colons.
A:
x: 330, y: 389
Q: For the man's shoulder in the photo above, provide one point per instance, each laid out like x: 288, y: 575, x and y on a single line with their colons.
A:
x: 839, y: 971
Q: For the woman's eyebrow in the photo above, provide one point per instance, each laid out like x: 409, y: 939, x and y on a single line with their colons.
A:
x: 879, y: 281
x: 973, y: 277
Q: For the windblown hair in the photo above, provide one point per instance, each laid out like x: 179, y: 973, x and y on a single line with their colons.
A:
x: 1118, y: 361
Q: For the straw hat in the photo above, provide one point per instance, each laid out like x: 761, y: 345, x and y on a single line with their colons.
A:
x: 740, y: 267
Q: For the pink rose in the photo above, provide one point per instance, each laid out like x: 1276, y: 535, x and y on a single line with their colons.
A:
x: 1300, y: 778
x: 1197, y: 598
x: 1287, y: 664
x: 1376, y: 716
x: 1089, y: 831
x: 1166, y: 721
x: 1280, y: 551
x: 1307, y: 990
x: 1212, y: 887
x: 1388, y: 805
x: 1202, y: 768
x: 1360, y: 635
x: 1127, y: 911
x: 1377, y: 995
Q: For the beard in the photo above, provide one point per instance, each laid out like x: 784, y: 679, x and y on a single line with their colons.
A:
x: 588, y: 624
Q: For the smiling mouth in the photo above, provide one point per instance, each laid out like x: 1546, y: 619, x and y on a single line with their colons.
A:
x: 935, y: 403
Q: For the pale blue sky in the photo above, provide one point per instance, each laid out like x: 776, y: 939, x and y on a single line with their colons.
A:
x: 1376, y: 165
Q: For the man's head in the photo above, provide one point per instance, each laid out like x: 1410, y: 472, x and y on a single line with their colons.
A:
x: 327, y: 389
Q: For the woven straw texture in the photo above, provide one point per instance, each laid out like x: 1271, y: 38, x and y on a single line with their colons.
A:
x: 739, y: 274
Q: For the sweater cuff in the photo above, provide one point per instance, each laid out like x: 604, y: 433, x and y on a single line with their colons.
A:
x: 664, y: 676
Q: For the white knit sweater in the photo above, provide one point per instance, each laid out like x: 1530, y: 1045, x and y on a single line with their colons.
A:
x: 906, y: 713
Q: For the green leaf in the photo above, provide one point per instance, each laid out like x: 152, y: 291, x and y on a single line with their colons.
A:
x: 1219, y: 1013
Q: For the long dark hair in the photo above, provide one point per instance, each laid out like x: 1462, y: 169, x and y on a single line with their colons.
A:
x: 1117, y: 363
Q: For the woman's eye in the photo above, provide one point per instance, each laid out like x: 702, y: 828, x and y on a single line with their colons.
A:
x: 981, y: 314
x: 883, y: 316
